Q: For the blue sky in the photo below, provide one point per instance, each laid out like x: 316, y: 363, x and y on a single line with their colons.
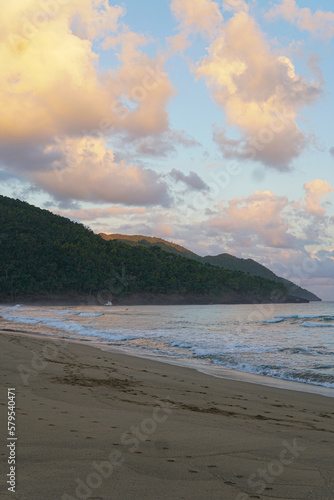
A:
x: 202, y: 122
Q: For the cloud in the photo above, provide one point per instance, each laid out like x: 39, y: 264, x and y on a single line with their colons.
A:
x: 89, y: 172
x: 192, y: 180
x: 48, y: 74
x: 264, y: 219
x: 92, y: 214
x: 162, y: 145
x: 53, y: 91
x: 259, y: 92
x: 51, y: 83
x: 199, y: 16
x: 235, y: 5
x: 256, y: 219
x: 320, y: 24
x: 332, y: 151
x: 316, y: 192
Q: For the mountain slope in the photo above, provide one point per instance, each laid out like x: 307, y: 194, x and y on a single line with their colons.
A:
x: 224, y: 260
x: 149, y: 241
x: 46, y: 256
x: 255, y: 269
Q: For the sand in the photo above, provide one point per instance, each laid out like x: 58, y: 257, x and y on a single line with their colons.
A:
x: 103, y: 425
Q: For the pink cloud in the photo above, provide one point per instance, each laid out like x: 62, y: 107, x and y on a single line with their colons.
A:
x: 200, y: 16
x: 316, y: 191
x: 259, y: 92
x: 53, y: 91
x: 51, y: 82
x: 90, y: 173
x: 256, y: 219
x: 319, y: 23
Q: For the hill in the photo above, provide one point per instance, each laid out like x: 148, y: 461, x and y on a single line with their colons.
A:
x: 255, y: 269
x: 48, y: 257
x: 149, y: 241
x: 224, y: 260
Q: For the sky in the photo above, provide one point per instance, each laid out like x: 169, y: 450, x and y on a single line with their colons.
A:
x: 206, y: 123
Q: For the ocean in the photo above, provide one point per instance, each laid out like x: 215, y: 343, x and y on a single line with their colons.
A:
x: 292, y: 342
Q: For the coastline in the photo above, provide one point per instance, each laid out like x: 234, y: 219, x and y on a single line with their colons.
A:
x: 210, y: 369
x: 147, y: 298
x: 166, y: 431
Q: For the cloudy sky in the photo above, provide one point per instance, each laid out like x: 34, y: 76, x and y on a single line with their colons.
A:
x: 207, y: 123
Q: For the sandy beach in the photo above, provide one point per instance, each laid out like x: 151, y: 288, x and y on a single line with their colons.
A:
x: 103, y: 425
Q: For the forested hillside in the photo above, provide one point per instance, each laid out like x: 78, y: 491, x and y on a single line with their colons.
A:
x: 225, y: 260
x: 45, y: 255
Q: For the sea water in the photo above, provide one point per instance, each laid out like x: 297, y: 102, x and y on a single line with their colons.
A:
x: 292, y: 342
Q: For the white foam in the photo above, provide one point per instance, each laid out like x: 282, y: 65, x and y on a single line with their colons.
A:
x: 21, y: 319
x: 90, y: 315
x: 184, y: 345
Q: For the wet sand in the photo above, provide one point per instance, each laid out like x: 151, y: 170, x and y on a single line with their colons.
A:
x: 103, y: 425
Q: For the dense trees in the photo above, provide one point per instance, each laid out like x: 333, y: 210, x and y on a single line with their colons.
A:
x: 42, y: 254
x: 224, y: 260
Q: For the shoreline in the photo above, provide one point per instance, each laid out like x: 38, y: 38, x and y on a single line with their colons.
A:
x: 206, y: 368
x: 218, y: 371
x: 160, y: 430
x: 151, y: 299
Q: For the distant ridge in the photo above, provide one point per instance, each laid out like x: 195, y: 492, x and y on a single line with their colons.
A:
x: 225, y: 260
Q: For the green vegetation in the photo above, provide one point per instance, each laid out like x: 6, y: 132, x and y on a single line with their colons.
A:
x: 224, y: 260
x: 45, y: 255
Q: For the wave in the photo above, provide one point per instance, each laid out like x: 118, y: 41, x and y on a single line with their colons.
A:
x: 90, y: 315
x: 313, y: 351
x: 306, y: 377
x: 20, y: 319
x: 289, y: 356
x: 183, y: 345
x: 310, y: 324
x: 287, y: 316
x: 323, y: 320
